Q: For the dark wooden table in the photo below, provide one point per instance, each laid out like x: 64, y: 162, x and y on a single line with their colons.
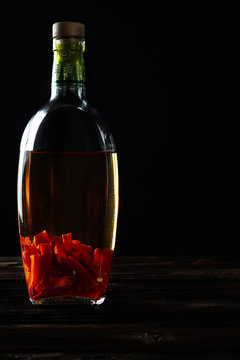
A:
x: 170, y: 307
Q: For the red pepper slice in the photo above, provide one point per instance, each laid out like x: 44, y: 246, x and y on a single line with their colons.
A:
x: 45, y: 250
x: 86, y: 280
x: 41, y: 238
x: 27, y: 251
x: 35, y: 270
x: 67, y: 241
x: 46, y: 261
x: 25, y: 241
x: 88, y: 248
x: 40, y: 268
x: 55, y: 240
x: 103, y: 260
x: 58, y: 249
x: 37, y: 290
x: 64, y: 282
x: 79, y: 252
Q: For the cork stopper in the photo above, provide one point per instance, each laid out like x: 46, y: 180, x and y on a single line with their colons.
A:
x: 68, y: 28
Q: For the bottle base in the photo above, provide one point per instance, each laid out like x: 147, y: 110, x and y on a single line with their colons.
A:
x: 63, y: 300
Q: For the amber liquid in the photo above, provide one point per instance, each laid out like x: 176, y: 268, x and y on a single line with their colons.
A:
x: 73, y: 193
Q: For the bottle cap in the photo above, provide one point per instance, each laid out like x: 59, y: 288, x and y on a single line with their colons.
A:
x: 68, y: 28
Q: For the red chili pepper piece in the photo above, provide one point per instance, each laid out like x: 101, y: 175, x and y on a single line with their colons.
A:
x: 103, y: 260
x: 27, y: 251
x: 64, y: 282
x: 81, y: 250
x: 40, y: 268
x: 58, y: 249
x: 38, y: 290
x: 88, y: 248
x: 46, y: 261
x: 26, y: 247
x: 75, y: 244
x: 56, y: 240
x: 45, y: 249
x: 41, y: 238
x: 67, y: 241
x: 35, y: 270
x: 86, y: 280
x: 25, y: 241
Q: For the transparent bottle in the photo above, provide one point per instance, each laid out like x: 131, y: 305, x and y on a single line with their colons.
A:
x: 67, y: 187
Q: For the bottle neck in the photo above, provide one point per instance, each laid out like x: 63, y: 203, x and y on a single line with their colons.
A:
x: 68, y: 73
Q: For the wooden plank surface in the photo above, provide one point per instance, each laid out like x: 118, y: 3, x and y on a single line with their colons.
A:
x: 156, y: 308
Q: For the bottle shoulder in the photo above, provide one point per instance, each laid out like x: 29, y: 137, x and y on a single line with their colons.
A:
x: 67, y: 127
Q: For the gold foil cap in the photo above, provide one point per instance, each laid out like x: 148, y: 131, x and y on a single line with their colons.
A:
x: 68, y: 28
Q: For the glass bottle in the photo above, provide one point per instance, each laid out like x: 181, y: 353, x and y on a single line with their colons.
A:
x: 67, y: 187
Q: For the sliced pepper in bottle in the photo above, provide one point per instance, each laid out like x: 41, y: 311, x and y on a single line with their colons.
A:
x: 86, y: 280
x: 67, y: 241
x: 58, y: 249
x: 64, y: 267
x: 27, y: 251
x: 79, y: 252
x: 35, y: 270
x: 103, y: 260
x: 45, y: 261
x: 25, y: 241
x: 41, y: 238
x: 86, y: 248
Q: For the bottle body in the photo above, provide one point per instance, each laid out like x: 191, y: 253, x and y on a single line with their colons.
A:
x: 67, y: 205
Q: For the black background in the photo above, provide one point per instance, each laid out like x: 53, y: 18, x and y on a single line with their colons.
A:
x: 161, y: 79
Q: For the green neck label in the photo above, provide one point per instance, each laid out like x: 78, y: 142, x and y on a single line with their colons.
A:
x: 68, y: 65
